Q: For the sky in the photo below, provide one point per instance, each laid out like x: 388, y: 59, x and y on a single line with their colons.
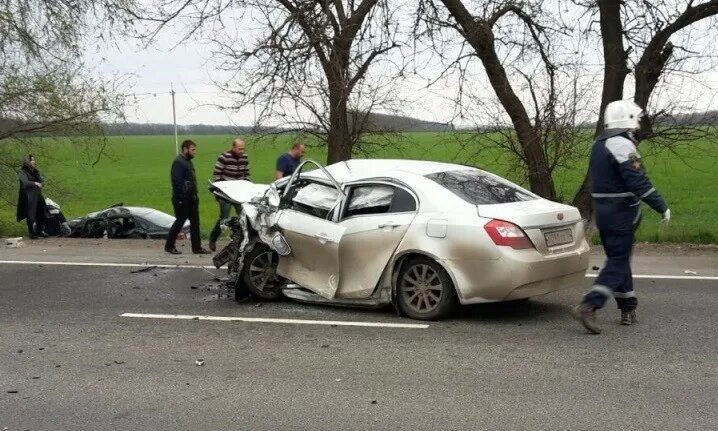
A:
x: 148, y: 74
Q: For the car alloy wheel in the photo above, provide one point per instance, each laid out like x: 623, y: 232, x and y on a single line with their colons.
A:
x: 425, y: 290
x: 259, y: 274
x: 262, y: 271
x: 422, y: 288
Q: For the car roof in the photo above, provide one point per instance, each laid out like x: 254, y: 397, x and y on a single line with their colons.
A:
x: 359, y: 169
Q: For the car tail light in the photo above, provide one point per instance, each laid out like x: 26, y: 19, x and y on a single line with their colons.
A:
x: 507, y: 234
x: 181, y: 235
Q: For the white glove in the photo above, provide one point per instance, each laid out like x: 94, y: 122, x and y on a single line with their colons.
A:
x: 666, y: 216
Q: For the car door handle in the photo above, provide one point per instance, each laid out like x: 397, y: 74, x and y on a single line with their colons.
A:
x: 323, y: 238
x: 389, y: 225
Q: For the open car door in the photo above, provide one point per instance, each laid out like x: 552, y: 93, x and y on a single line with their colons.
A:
x: 309, y: 205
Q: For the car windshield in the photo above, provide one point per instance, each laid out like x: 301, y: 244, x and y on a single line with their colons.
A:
x: 480, y: 188
x: 158, y: 218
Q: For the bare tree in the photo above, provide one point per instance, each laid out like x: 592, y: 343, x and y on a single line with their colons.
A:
x: 499, y: 34
x: 647, y: 41
x: 303, y: 65
x: 44, y: 89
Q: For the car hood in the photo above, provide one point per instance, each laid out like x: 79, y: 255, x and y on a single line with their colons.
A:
x: 238, y: 191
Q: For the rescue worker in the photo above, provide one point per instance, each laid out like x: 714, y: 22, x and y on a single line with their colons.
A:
x: 618, y: 185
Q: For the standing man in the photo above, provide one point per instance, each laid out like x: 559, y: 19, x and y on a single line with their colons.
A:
x: 231, y: 165
x: 30, y: 202
x: 618, y: 184
x: 185, y: 200
x: 289, y: 161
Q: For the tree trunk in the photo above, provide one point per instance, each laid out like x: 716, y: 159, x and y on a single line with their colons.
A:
x: 480, y: 36
x: 339, y: 143
x: 615, y: 71
x: 539, y: 174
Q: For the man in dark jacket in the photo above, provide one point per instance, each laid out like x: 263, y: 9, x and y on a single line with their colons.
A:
x: 185, y: 200
x: 618, y: 185
x: 30, y: 203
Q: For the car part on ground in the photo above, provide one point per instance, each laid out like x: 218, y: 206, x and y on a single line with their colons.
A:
x: 126, y: 222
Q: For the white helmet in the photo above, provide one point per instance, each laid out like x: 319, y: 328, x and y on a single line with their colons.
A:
x: 622, y: 114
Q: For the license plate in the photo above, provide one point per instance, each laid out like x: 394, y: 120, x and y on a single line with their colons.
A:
x: 558, y: 237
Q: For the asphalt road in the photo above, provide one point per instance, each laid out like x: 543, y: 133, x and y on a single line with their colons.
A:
x: 68, y: 360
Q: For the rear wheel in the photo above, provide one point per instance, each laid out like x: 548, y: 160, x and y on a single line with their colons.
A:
x: 425, y: 290
x: 259, y: 273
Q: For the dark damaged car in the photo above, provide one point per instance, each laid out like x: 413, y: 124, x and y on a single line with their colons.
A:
x: 127, y: 222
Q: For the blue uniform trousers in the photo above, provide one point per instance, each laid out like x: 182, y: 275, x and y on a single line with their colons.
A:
x: 617, y: 221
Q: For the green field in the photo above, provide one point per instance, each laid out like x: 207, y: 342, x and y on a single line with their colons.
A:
x: 136, y: 172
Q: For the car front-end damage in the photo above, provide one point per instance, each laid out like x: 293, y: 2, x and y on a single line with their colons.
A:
x: 255, y: 241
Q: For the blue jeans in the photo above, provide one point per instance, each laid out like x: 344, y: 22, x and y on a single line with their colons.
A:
x: 225, y: 208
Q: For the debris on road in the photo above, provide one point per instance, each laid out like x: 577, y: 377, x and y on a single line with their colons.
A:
x: 118, y: 362
x: 199, y: 362
x: 595, y: 268
x: 689, y: 271
x: 20, y: 351
x: 149, y: 268
x: 14, y: 242
x: 12, y: 392
x: 324, y: 346
x: 337, y: 380
x: 374, y: 402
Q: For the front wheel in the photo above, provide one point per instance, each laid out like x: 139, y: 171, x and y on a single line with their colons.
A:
x: 259, y: 273
x: 425, y: 290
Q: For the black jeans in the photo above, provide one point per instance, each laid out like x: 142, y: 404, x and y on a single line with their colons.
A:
x: 185, y: 209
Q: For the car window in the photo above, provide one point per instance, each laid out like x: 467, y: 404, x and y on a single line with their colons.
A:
x: 378, y: 199
x: 315, y: 199
x: 480, y: 188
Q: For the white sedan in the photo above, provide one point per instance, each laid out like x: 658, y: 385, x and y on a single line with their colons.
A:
x: 424, y: 236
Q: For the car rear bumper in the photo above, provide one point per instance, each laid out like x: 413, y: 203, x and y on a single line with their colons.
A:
x: 517, y: 274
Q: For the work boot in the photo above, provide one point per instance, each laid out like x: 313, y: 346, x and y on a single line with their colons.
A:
x: 628, y: 317
x: 586, y: 314
x: 172, y: 250
x: 213, y: 246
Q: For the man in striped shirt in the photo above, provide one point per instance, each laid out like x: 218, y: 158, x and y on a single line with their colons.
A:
x: 231, y: 165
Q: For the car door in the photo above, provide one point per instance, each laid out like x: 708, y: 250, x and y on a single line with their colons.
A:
x: 311, y: 234
x: 376, y: 217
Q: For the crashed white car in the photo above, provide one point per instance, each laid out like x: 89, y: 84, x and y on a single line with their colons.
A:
x: 424, y: 236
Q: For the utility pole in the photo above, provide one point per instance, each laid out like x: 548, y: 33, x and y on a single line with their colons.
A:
x: 174, y: 117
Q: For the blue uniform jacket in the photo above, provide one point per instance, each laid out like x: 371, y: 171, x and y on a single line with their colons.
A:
x: 619, y: 182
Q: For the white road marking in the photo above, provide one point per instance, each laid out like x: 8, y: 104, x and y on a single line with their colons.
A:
x: 186, y: 266
x: 666, y: 277
x: 108, y: 264
x: 287, y: 321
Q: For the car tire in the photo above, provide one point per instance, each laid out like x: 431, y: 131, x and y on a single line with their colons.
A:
x: 260, y: 264
x: 424, y: 290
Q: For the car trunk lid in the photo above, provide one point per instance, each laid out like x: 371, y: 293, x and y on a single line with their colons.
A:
x: 551, y: 227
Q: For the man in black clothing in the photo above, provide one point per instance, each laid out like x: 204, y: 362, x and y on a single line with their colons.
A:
x: 185, y: 200
x: 31, y: 202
